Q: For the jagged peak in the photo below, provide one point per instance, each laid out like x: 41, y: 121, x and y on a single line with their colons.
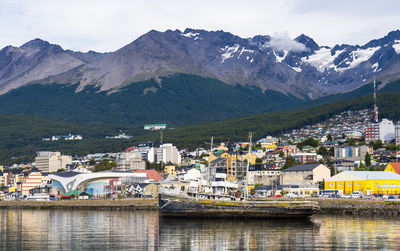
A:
x: 36, y: 43
x: 308, y: 42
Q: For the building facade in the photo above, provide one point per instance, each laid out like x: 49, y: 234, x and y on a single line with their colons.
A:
x: 310, y: 173
x: 376, y: 182
x: 371, y: 132
x: 130, y: 161
x: 353, y: 153
x: 397, y: 133
x: 52, y: 161
x: 386, y: 130
x: 305, y: 158
x: 168, y: 153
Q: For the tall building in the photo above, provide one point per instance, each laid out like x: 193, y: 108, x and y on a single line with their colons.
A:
x: 386, y: 130
x: 168, y: 153
x: 51, y: 161
x: 372, y: 132
x: 397, y: 133
x: 130, y: 161
x: 148, y: 151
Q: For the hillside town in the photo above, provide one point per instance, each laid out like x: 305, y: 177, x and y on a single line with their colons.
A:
x: 345, y: 155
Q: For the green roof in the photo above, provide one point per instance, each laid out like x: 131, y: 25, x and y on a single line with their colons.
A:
x: 73, y: 192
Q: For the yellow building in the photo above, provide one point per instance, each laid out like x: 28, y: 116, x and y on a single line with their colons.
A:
x: 393, y: 167
x: 170, y: 169
x: 367, y: 182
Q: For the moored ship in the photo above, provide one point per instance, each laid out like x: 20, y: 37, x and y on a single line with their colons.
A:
x: 213, y: 198
x: 173, y: 205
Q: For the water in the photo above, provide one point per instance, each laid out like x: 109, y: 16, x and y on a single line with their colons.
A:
x: 144, y: 230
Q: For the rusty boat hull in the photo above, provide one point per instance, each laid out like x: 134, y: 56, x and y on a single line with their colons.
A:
x: 184, y: 206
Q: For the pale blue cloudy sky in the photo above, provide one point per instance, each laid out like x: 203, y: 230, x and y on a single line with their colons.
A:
x: 105, y: 25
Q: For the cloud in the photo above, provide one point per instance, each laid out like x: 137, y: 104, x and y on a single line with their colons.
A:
x: 105, y: 25
x: 282, y: 42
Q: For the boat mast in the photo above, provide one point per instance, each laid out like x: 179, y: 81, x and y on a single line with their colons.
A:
x: 247, y: 167
x: 209, y: 166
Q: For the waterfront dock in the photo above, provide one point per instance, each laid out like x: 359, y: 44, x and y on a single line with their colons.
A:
x: 328, y: 206
x: 122, y: 204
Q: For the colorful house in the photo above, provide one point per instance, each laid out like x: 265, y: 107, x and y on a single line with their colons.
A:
x: 170, y: 169
x: 393, y: 167
x: 369, y: 183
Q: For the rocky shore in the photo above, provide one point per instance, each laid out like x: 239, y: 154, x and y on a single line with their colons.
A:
x: 328, y: 206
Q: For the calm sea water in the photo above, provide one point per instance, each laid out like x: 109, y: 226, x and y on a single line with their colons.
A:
x: 143, y: 230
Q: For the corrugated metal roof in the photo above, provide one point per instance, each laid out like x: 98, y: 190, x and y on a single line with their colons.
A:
x: 364, y: 175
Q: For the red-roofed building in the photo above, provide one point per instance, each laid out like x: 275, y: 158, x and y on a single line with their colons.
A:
x: 151, y: 174
x: 130, y: 149
x: 393, y: 167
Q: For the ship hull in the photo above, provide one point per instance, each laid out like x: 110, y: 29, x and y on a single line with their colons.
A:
x: 181, y: 206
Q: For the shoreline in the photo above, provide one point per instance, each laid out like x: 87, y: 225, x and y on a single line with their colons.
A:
x: 328, y: 206
x: 119, y: 204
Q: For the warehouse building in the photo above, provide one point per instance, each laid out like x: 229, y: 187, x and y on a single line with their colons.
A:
x: 367, y: 182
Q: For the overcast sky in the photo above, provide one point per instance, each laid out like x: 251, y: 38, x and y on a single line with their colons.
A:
x: 106, y: 25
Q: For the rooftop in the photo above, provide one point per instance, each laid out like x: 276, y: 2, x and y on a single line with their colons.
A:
x: 299, y: 168
x: 364, y: 175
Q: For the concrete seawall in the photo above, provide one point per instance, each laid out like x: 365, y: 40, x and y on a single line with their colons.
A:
x: 359, y: 207
x: 328, y: 206
x: 125, y: 204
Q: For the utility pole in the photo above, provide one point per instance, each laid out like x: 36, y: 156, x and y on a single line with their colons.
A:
x: 375, y: 105
x: 247, y: 168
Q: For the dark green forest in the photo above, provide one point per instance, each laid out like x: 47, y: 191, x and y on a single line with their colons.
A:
x: 20, y: 135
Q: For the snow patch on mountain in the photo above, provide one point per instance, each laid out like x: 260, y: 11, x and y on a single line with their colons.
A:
x: 193, y: 35
x: 298, y: 69
x: 375, y: 67
x: 359, y: 56
x: 396, y: 46
x: 322, y: 59
x: 245, y: 51
x: 228, y: 52
x: 279, y: 59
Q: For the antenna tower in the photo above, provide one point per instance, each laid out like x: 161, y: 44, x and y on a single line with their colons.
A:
x: 375, y: 105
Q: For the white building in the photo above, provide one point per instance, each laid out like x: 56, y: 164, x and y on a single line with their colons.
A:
x: 130, y: 161
x: 386, y: 130
x: 148, y: 151
x: 51, y: 161
x: 168, y: 153
x: 397, y: 133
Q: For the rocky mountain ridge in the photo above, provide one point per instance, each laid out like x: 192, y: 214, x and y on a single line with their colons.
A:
x: 298, y: 67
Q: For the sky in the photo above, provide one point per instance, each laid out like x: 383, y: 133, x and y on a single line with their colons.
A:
x: 105, y: 25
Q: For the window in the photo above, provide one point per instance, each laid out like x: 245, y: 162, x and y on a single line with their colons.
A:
x: 358, y: 184
x: 393, y: 184
x: 331, y: 185
x: 339, y: 185
x: 349, y: 184
x: 377, y: 184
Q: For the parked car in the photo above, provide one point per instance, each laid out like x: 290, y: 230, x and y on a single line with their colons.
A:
x: 346, y: 196
x: 356, y: 195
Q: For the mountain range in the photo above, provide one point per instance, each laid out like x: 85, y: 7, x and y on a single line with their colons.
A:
x: 187, y: 74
